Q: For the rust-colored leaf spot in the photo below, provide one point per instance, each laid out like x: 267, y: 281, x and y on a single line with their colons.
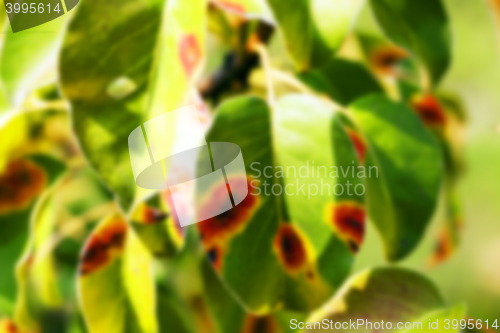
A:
x: 20, y: 183
x: 215, y: 255
x: 148, y: 215
x: 256, y: 324
x: 190, y: 53
x: 349, y: 220
x: 359, y: 145
x: 310, y: 275
x: 430, y: 110
x: 385, y: 59
x: 444, y: 248
x: 231, y: 6
x: 8, y: 326
x: 290, y: 247
x: 104, y: 245
x: 221, y: 227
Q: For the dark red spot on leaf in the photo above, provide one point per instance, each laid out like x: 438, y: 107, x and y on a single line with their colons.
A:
x: 430, y: 110
x: 290, y: 247
x: 221, y: 227
x: 444, y: 248
x: 20, y: 183
x: 103, y: 245
x: 8, y: 326
x: 189, y: 53
x: 214, y: 254
x: 349, y: 220
x: 148, y: 215
x: 359, y: 145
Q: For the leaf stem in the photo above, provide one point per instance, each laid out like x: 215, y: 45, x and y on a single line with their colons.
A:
x: 266, y: 64
x: 295, y: 83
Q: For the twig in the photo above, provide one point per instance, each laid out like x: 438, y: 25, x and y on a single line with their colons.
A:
x: 266, y: 64
x: 293, y: 82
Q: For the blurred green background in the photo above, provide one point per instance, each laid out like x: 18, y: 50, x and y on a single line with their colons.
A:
x: 473, y: 273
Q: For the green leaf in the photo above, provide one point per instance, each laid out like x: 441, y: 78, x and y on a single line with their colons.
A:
x: 122, y: 69
x: 407, y: 168
x: 389, y: 294
x: 227, y: 312
x: 195, y: 295
x: 308, y: 136
x: 342, y: 80
x: 422, y: 28
x: 172, y: 314
x: 303, y: 251
x: 38, y: 292
x: 115, y: 283
x: 314, y: 30
x: 157, y: 228
x: 443, y: 116
x: 255, y: 276
x: 27, y: 56
x: 450, y: 232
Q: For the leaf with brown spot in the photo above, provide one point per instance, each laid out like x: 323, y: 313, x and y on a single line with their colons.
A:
x: 421, y: 27
x: 20, y: 182
x: 359, y: 144
x: 311, y: 136
x: 407, y: 168
x: 104, y: 245
x: 430, y: 110
x: 255, y: 324
x: 386, y: 59
x: 288, y: 240
x: 38, y: 171
x: 349, y: 221
x: 450, y: 233
x: 157, y: 227
x: 291, y: 248
x: 444, y: 115
x: 115, y: 285
x: 220, y: 228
